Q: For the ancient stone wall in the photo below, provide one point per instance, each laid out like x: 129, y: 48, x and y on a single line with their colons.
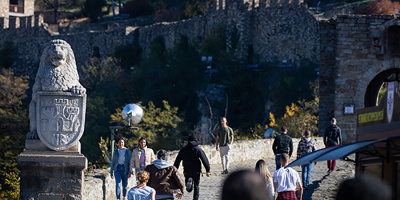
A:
x: 99, y: 185
x: 361, y: 54
x: 275, y: 30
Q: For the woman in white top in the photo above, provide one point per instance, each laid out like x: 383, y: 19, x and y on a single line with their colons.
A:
x: 142, y: 191
x: 141, y: 157
x: 262, y: 168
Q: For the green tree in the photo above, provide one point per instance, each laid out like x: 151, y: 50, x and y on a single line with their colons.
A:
x: 300, y: 116
x: 159, y: 126
x: 13, y: 126
x: 105, y: 82
x: 93, y: 9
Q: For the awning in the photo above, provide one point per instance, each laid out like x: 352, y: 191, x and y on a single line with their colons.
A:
x: 334, y: 152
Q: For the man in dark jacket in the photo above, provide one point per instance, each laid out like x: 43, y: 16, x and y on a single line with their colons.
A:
x: 332, y: 137
x: 282, y: 144
x: 164, y: 178
x: 191, y: 155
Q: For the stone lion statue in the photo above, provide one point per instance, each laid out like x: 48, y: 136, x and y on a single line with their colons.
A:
x: 57, y: 73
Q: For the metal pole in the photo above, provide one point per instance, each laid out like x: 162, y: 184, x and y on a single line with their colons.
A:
x: 112, y: 144
x: 112, y: 3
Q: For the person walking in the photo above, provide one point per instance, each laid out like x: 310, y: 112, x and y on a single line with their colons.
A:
x: 306, y: 146
x: 286, y: 180
x: 165, y: 178
x: 262, y: 169
x: 282, y: 144
x: 141, y: 157
x: 332, y: 137
x: 224, y: 141
x: 142, y: 191
x: 120, y: 168
x: 191, y: 155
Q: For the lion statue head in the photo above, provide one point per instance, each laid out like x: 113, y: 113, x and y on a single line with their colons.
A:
x: 57, y: 69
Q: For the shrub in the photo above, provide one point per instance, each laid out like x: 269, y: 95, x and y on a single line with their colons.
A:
x: 382, y: 7
x: 137, y: 8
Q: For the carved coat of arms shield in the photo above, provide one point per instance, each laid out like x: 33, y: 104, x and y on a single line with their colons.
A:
x: 60, y: 118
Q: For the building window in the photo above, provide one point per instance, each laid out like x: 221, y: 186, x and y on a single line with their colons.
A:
x: 17, y: 6
x: 393, y: 41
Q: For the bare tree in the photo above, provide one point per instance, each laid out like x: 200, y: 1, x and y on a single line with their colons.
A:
x: 54, y: 5
x: 210, y: 129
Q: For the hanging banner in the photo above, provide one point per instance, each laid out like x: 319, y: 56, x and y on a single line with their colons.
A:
x: 390, y: 101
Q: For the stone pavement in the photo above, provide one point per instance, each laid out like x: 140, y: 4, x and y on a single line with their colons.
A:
x: 322, y: 185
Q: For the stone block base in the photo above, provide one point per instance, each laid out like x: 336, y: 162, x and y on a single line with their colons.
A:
x: 51, y: 175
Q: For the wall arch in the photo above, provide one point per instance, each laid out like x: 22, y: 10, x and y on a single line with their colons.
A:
x: 370, y: 82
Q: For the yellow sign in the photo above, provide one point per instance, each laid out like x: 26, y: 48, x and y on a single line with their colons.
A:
x: 370, y: 117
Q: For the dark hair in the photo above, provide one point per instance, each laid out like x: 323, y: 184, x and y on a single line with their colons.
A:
x: 307, y: 133
x: 244, y: 184
x: 121, y: 138
x: 284, y: 157
x: 283, y: 129
x: 162, y: 154
x: 363, y: 188
x: 191, y: 137
x: 333, y: 120
x: 143, y: 138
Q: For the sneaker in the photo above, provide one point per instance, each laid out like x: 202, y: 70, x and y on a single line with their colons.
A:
x: 189, y: 185
x: 226, y: 172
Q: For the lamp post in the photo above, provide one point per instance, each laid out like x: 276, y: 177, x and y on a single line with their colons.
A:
x: 208, y: 61
x: 131, y: 114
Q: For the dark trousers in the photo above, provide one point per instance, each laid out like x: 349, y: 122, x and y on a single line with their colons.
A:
x: 196, y: 183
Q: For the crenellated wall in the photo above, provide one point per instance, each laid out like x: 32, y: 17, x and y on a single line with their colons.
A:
x: 99, y: 185
x: 273, y: 30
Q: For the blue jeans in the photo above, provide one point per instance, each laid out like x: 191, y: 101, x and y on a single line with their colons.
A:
x: 278, y: 161
x: 120, y: 175
x: 306, y: 178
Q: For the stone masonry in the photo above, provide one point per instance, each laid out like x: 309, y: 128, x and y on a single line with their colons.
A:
x: 275, y: 30
x: 356, y: 55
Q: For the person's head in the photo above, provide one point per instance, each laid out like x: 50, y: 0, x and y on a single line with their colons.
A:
x: 284, y: 159
x: 284, y: 129
x: 363, y: 188
x: 262, y: 168
x: 333, y: 121
x: 142, y: 142
x: 143, y: 176
x: 191, y: 138
x: 121, y: 142
x: 224, y: 121
x: 244, y: 184
x: 162, y: 154
x: 307, y: 133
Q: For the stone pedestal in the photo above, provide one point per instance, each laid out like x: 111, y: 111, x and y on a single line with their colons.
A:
x: 51, y: 175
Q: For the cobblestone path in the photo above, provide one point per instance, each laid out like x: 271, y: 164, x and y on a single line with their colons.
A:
x: 322, y: 185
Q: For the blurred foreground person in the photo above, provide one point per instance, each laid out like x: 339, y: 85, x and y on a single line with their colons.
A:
x: 363, y: 188
x: 191, y: 155
x: 244, y: 185
x: 165, y: 178
x: 142, y: 191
